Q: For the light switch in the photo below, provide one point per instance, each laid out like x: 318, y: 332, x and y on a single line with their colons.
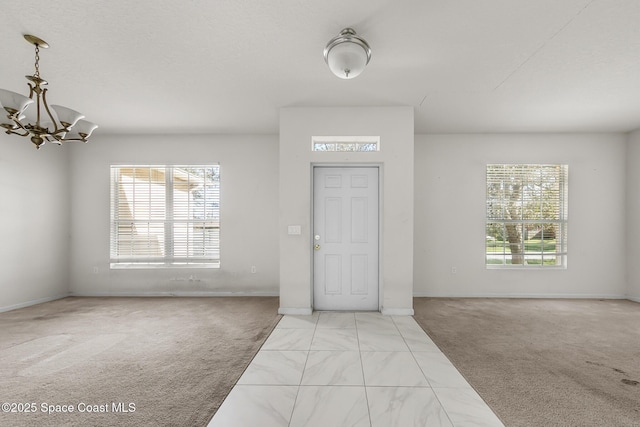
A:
x: 295, y: 230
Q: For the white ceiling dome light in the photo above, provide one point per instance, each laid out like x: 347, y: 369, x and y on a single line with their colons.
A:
x: 347, y: 54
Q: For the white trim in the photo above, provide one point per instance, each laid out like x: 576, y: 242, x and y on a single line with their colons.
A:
x: 397, y: 311
x: 516, y: 296
x: 174, y: 294
x: 295, y: 311
x: 33, y: 302
x: 128, y: 188
x: 497, y: 174
x: 380, y: 184
x: 634, y: 299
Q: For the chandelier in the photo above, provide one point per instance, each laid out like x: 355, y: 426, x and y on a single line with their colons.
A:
x: 347, y: 54
x: 64, y: 125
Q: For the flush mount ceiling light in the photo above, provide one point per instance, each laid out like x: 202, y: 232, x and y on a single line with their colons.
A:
x: 64, y: 126
x: 347, y: 54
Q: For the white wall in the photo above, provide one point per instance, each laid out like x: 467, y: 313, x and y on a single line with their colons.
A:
x: 394, y: 125
x: 34, y: 208
x: 633, y: 216
x: 450, y: 215
x: 58, y: 192
x: 249, y: 215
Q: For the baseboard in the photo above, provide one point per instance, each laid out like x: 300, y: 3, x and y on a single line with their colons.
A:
x: 397, y: 311
x: 174, y: 294
x: 32, y: 302
x: 532, y: 296
x: 634, y: 299
x: 305, y: 311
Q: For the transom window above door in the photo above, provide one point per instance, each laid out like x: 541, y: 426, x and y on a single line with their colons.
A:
x: 165, y: 216
x: 345, y: 143
x: 526, y: 221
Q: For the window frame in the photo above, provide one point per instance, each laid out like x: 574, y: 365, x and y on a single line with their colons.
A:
x: 551, y: 216
x: 345, y: 144
x: 170, y: 243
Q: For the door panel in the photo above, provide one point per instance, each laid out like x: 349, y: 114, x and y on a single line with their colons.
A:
x: 346, y: 238
x: 333, y: 278
x: 359, y: 275
x: 332, y: 223
x: 359, y: 220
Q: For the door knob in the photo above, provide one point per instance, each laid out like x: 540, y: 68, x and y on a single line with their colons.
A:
x: 316, y: 247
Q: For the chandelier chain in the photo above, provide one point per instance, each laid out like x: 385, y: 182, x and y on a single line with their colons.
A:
x: 37, y: 73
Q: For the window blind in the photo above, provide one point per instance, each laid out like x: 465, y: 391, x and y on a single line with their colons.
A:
x: 165, y: 215
x: 526, y: 215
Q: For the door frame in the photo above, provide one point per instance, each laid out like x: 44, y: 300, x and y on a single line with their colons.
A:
x: 380, y: 167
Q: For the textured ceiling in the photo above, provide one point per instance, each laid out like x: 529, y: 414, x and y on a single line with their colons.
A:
x: 228, y: 66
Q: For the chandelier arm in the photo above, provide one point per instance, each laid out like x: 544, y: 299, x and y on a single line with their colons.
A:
x: 81, y: 139
x: 60, y: 136
x: 53, y: 120
x: 35, y: 90
x: 32, y: 90
x: 56, y: 137
x: 19, y: 125
x: 13, y: 131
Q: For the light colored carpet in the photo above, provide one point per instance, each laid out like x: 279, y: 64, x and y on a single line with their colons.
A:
x: 544, y: 362
x: 174, y: 359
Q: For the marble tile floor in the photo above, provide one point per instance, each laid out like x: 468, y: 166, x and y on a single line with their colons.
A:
x: 337, y: 369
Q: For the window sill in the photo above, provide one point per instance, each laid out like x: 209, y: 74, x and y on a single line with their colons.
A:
x: 528, y: 267
x: 160, y: 265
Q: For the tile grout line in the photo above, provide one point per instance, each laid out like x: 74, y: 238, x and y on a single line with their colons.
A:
x: 236, y: 384
x: 429, y: 382
x: 421, y: 370
x: 364, y: 384
x: 293, y: 408
x: 412, y: 353
x: 456, y: 368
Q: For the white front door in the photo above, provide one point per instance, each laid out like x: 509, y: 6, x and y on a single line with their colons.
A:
x: 345, y: 238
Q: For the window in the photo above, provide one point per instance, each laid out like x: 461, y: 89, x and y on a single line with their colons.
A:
x: 165, y: 216
x: 345, y: 143
x: 526, y: 216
